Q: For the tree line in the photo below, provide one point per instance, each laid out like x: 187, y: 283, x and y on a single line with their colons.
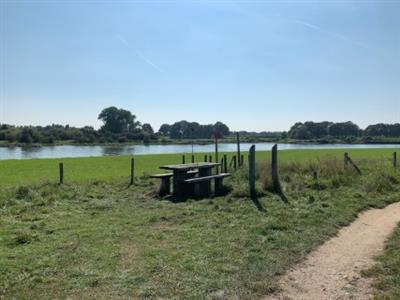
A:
x: 193, y: 130
x: 120, y: 125
x: 320, y: 130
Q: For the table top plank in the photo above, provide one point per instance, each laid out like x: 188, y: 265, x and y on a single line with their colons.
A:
x: 184, y: 167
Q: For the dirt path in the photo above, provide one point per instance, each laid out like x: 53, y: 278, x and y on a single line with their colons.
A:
x: 333, y: 270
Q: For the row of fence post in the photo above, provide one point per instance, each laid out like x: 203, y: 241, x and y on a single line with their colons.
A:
x: 348, y: 161
x: 276, y: 185
x: 235, y: 163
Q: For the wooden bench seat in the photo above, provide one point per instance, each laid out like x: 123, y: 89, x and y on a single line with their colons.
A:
x: 165, y: 187
x: 218, y: 178
x: 161, y: 175
x: 165, y: 175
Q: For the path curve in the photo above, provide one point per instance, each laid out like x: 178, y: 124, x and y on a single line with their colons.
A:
x: 332, y: 271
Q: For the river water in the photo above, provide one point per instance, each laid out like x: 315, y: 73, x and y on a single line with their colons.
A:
x: 84, y: 151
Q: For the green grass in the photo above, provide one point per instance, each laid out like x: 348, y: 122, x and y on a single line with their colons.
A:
x: 387, y: 271
x: 101, y: 239
x: 35, y: 171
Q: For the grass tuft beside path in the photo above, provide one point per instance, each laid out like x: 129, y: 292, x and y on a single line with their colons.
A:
x: 386, y: 272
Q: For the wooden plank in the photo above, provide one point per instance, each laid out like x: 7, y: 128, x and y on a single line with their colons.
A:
x: 183, y: 159
x: 198, y: 165
x: 394, y: 160
x: 161, y: 175
x: 207, y: 178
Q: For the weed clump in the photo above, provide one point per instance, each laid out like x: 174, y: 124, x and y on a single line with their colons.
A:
x: 23, y: 237
x: 23, y: 193
x: 381, y: 181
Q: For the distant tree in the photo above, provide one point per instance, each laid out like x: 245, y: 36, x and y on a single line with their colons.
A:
x: 384, y: 130
x: 118, y: 120
x: 344, y: 129
x: 29, y: 135
x: 222, y: 129
x: 26, y: 136
x: 318, y: 130
x: 146, y: 128
x: 299, y: 131
x: 164, y: 129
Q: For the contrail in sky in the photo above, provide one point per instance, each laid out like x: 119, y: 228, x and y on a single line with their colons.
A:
x: 238, y: 8
x: 333, y: 34
x: 139, y: 54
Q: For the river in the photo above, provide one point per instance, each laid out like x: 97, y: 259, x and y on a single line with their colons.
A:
x: 84, y: 151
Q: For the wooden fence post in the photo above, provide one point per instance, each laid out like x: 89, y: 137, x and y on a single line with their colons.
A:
x: 274, y: 167
x: 234, y: 162
x: 216, y: 153
x: 210, y: 158
x: 394, y: 160
x: 252, y: 171
x: 132, y: 171
x: 61, y: 167
x: 192, y: 158
x: 348, y: 160
x: 225, y: 164
x: 238, y: 146
x: 205, y: 158
x: 241, y: 160
x: 276, y: 185
x: 183, y: 159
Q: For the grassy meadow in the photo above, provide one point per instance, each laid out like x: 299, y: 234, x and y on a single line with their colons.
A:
x: 95, y: 237
x: 108, y: 168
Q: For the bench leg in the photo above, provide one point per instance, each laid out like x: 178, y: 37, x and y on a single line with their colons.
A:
x: 218, y: 186
x: 205, y: 187
x: 165, y: 186
x: 197, y: 190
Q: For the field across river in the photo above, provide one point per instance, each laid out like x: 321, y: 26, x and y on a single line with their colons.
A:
x: 84, y: 169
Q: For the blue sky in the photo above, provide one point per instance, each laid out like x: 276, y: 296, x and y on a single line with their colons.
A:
x: 254, y: 65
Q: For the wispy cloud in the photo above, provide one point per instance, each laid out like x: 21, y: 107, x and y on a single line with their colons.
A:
x: 139, y: 54
x: 334, y: 34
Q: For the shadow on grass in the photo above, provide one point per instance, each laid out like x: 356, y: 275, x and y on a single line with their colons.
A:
x: 257, y: 203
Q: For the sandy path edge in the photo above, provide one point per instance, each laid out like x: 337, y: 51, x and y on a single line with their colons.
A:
x: 332, y: 271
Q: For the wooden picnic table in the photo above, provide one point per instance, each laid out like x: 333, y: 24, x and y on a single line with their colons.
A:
x: 180, y: 174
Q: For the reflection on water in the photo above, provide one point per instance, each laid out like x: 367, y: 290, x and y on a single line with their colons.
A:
x: 83, y: 151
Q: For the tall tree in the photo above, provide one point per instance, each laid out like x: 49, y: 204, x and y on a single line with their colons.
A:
x: 118, y: 120
x: 164, y: 129
x: 146, y: 128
